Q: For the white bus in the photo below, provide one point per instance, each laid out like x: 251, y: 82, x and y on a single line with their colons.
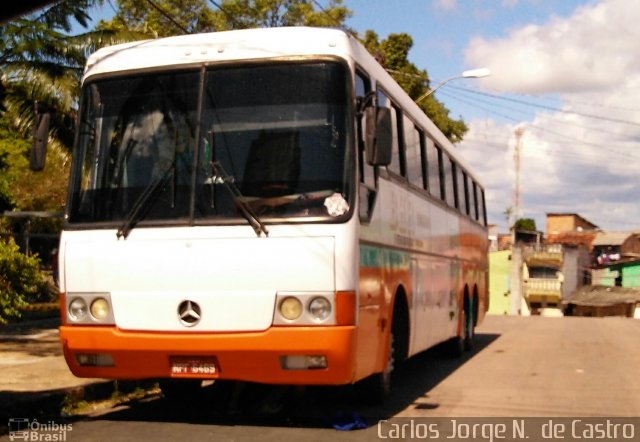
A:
x: 262, y: 205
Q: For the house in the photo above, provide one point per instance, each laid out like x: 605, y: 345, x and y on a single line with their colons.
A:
x: 551, y: 272
x: 539, y: 273
x: 568, y: 222
x: 500, y: 282
x: 623, y: 273
x: 614, y: 246
x: 592, y: 300
x: 575, y: 238
x: 498, y: 241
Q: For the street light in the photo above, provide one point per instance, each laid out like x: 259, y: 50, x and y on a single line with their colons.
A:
x: 473, y: 73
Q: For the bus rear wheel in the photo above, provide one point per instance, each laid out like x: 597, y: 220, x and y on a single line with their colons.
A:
x: 468, y: 327
x: 465, y: 340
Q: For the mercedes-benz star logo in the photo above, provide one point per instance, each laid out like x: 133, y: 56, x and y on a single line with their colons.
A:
x: 189, y: 313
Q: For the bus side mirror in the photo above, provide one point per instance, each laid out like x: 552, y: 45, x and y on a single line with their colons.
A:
x: 40, y: 140
x: 378, y: 136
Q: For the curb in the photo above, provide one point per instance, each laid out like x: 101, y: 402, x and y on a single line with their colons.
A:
x: 44, y: 405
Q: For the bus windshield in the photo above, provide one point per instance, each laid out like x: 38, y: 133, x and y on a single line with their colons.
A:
x: 278, y: 130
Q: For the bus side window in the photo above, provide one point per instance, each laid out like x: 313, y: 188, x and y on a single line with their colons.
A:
x: 367, y: 172
x: 460, y: 183
x: 415, y: 155
x: 433, y: 169
x: 449, y: 177
x: 483, y: 208
x: 467, y: 206
x: 456, y: 185
x: 396, y: 166
x: 441, y: 172
x: 474, y: 215
x: 423, y: 158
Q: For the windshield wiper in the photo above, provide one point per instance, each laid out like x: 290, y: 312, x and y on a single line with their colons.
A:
x: 148, y: 195
x: 229, y: 182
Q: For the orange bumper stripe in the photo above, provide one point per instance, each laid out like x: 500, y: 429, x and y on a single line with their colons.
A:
x: 251, y: 357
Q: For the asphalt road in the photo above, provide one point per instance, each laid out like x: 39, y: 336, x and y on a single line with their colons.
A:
x: 520, y: 367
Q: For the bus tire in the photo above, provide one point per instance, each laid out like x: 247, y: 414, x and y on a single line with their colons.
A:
x: 468, y: 325
x: 377, y: 387
x: 465, y: 341
x: 180, y: 389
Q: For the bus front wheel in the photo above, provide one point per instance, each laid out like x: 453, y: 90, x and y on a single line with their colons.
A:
x: 377, y: 387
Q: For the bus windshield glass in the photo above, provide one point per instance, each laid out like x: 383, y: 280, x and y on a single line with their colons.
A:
x: 278, y: 130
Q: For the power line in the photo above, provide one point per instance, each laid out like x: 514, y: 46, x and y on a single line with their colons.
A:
x: 551, y: 108
x: 546, y: 130
x: 168, y: 17
x: 237, y: 24
x: 523, y: 112
x: 584, y: 158
x: 229, y: 16
x: 602, y: 106
x: 578, y: 102
x: 325, y: 12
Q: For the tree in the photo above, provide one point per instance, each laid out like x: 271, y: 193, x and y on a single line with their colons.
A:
x: 161, y: 18
x: 508, y: 213
x: 393, y: 53
x: 528, y: 224
x: 242, y: 14
x: 19, y: 186
x: 20, y: 280
x: 40, y: 62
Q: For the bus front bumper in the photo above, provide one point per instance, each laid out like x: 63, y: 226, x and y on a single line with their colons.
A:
x: 274, y: 356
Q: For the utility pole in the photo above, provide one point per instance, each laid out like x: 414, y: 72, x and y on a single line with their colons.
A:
x: 516, y: 249
x: 517, y: 201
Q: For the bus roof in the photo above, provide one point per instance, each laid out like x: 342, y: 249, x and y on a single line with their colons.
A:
x: 255, y: 44
x: 246, y: 44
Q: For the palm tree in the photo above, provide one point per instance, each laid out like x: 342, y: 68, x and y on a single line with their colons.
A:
x: 41, y: 62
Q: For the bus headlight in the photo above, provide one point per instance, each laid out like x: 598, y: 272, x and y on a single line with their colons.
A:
x: 77, y: 309
x: 307, y: 309
x: 89, y: 309
x: 291, y: 308
x: 320, y: 308
x: 100, y: 309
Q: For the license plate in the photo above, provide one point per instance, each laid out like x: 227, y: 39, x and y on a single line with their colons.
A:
x: 193, y: 365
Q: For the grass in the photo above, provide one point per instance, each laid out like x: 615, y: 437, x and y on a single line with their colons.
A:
x: 74, y: 406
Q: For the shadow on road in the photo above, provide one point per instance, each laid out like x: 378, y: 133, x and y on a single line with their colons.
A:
x: 313, y: 407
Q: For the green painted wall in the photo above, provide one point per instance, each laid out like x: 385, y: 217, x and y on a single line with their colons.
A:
x: 631, y: 276
x: 499, y: 282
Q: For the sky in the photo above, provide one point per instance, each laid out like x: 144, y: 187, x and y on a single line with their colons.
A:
x: 565, y: 75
